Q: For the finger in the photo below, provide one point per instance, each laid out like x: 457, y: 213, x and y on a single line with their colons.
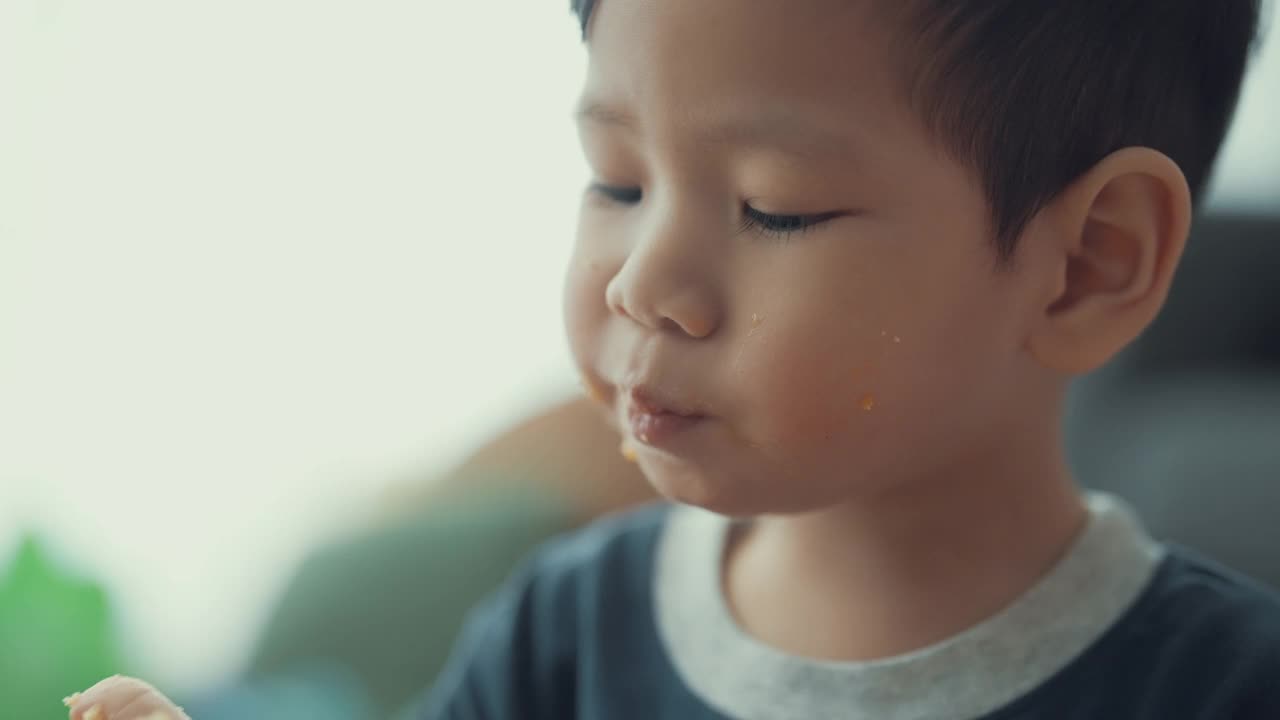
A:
x: 123, y: 698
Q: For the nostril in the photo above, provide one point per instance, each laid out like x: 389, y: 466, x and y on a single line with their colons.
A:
x: 694, y: 326
x: 614, y: 300
x: 622, y: 309
x: 671, y: 325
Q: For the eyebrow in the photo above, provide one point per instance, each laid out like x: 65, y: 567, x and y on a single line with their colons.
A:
x: 778, y: 127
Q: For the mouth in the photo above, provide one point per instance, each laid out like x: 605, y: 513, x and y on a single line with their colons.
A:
x: 658, y: 421
x: 646, y: 400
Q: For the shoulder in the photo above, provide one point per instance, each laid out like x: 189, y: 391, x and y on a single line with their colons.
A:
x: 519, y: 653
x: 604, y: 564
x: 617, y: 550
x: 621, y: 532
x: 1194, y: 594
x: 1201, y: 641
x: 1208, y: 627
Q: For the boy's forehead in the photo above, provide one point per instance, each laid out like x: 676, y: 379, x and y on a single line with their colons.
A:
x: 827, y: 60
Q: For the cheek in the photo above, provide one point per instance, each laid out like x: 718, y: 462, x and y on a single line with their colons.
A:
x: 584, y: 308
x: 805, y: 421
x: 810, y: 384
x: 867, y: 384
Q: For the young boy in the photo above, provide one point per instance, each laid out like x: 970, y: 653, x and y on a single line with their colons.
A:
x: 839, y: 260
x: 838, y: 263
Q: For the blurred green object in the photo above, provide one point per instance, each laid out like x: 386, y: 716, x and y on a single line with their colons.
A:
x: 56, y: 635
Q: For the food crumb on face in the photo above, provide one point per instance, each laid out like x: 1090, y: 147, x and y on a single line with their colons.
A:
x: 592, y: 391
x: 868, y: 402
x: 628, y: 451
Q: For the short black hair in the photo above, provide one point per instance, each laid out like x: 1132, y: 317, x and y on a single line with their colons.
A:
x: 1031, y: 95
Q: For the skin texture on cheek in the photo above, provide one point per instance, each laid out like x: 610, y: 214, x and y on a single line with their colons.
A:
x: 821, y: 354
x: 807, y: 434
x: 823, y: 398
x: 583, y: 314
x: 757, y: 320
x: 805, y: 393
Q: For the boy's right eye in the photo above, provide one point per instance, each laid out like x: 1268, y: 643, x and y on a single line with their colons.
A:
x: 621, y: 195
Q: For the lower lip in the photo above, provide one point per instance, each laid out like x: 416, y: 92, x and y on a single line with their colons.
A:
x: 660, y: 429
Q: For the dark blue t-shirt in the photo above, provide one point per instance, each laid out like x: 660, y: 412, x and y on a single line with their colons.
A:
x: 573, y: 636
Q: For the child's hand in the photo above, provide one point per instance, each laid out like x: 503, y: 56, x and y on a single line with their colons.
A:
x: 122, y: 698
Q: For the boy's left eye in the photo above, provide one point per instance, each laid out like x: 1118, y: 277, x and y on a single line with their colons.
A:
x: 782, y: 225
x: 766, y: 223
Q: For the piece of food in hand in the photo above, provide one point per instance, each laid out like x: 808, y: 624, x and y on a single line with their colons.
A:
x: 122, y: 698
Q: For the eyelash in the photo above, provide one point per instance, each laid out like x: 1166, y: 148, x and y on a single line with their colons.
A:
x: 780, y: 226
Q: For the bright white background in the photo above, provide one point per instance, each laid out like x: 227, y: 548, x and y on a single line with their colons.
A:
x: 262, y: 259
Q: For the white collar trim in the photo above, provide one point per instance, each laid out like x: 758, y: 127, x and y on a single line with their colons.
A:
x: 966, y: 676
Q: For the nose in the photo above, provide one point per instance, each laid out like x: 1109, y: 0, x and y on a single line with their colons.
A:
x: 667, y: 282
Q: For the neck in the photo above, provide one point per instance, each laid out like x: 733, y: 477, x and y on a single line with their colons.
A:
x: 880, y: 576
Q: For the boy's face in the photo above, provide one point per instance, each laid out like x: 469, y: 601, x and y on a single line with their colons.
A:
x: 878, y: 344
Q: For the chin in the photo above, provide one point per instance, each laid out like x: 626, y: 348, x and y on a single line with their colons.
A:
x: 738, y: 498
x: 688, y: 488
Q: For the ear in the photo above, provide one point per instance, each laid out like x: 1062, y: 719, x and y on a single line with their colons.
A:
x: 1118, y: 233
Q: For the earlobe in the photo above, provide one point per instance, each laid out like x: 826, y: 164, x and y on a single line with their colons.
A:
x: 1122, y: 227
